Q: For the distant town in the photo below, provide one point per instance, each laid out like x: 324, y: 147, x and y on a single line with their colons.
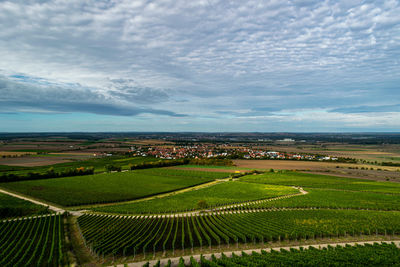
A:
x: 221, y: 151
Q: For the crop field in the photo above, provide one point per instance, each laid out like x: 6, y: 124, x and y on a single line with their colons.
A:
x: 326, y: 198
x: 323, y: 181
x: 133, y: 236
x: 110, y: 187
x: 98, y: 163
x: 14, y: 207
x: 360, y: 255
x: 33, y: 242
x: 219, y: 194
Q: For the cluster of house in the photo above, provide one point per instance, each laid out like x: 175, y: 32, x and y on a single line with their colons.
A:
x: 257, y: 154
x: 212, y: 151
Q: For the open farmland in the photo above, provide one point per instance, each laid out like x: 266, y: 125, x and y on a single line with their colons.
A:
x: 99, y: 164
x: 14, y: 207
x: 110, y: 187
x: 215, y: 195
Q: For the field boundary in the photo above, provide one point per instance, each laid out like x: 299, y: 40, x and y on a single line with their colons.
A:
x: 175, y: 260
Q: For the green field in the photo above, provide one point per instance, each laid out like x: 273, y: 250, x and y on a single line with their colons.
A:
x: 110, y: 187
x: 367, y: 255
x: 219, y: 194
x: 98, y: 163
x: 326, y: 198
x: 33, y: 242
x: 122, y: 236
x: 322, y: 181
x: 15, y: 207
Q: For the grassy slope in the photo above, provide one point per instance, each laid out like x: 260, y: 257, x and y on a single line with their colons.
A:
x: 323, y: 181
x: 13, y: 207
x: 223, y: 193
x: 109, y: 187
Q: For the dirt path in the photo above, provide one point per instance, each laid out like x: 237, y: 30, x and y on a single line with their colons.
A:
x: 53, y: 208
x: 175, y: 261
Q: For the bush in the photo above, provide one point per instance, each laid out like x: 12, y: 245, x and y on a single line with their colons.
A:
x: 202, y: 204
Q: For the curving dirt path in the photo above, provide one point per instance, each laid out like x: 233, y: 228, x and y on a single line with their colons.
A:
x: 53, y: 208
x: 175, y: 261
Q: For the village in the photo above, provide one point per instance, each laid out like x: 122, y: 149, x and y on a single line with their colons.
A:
x: 221, y: 151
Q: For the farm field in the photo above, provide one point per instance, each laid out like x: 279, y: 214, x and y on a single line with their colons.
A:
x: 322, y: 181
x: 33, y: 242
x: 110, y: 187
x: 327, y: 198
x: 136, y: 236
x: 215, y: 195
x: 98, y: 163
x: 359, y: 255
x: 14, y: 207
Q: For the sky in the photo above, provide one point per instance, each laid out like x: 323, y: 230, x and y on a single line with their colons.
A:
x: 212, y: 66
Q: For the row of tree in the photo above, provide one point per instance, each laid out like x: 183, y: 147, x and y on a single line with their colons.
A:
x: 50, y: 173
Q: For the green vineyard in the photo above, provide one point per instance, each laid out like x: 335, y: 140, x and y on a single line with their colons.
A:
x: 130, y: 236
x: 367, y: 255
x: 32, y: 242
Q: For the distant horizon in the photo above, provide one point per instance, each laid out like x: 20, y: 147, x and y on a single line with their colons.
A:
x: 194, y: 132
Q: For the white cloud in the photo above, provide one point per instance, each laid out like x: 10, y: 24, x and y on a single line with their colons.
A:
x: 217, y: 56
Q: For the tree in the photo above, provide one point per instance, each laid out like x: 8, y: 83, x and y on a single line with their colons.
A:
x: 202, y: 204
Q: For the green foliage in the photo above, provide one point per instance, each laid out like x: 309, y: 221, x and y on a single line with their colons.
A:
x: 50, y: 173
x: 110, y: 187
x: 229, y: 228
x: 111, y: 168
x: 32, y: 242
x: 158, y: 164
x: 202, y: 204
x: 216, y: 195
x: 322, y: 181
x: 15, y: 207
x: 366, y: 255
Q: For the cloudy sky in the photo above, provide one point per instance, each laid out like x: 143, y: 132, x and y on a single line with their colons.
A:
x: 298, y: 66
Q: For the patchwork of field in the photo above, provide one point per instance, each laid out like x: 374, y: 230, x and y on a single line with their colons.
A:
x: 215, y: 195
x: 377, y: 153
x: 32, y: 161
x: 301, y: 165
x: 110, y: 187
x: 98, y: 163
x: 15, y: 207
